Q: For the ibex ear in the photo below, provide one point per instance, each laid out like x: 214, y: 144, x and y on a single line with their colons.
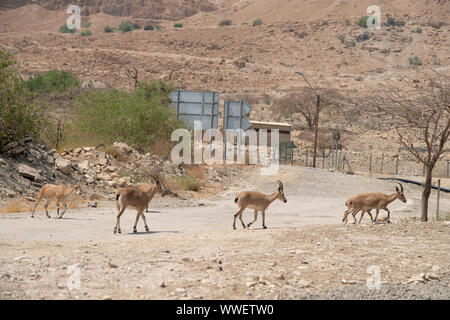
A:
x: 396, y: 189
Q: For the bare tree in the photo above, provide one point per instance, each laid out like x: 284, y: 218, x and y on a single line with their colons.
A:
x: 134, y: 76
x: 421, y: 118
x: 302, y: 102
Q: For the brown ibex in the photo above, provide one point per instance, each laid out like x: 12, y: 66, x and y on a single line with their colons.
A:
x: 257, y: 201
x: 137, y: 198
x: 368, y: 201
x: 57, y: 193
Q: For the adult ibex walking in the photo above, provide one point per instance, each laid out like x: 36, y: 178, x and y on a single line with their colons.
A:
x: 257, y: 201
x: 368, y: 201
x: 138, y: 198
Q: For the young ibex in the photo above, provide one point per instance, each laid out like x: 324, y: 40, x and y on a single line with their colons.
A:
x: 137, y: 198
x: 257, y: 201
x: 368, y: 201
x: 57, y: 193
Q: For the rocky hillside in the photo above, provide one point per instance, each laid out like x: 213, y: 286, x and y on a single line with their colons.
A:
x: 150, y: 9
x: 25, y: 166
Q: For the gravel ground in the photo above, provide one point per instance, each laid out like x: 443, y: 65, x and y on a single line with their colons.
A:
x: 192, y: 252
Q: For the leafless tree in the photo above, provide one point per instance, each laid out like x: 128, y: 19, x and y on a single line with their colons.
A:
x: 134, y: 76
x: 421, y: 117
x: 302, y: 102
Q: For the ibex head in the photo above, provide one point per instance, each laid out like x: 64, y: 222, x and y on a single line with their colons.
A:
x: 400, y: 194
x: 160, y: 188
x: 281, y: 196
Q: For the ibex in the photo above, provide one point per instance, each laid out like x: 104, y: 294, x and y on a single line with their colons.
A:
x: 137, y: 198
x: 368, y: 201
x: 257, y: 201
x: 57, y: 193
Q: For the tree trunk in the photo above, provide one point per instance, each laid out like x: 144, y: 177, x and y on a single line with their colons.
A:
x: 426, y: 194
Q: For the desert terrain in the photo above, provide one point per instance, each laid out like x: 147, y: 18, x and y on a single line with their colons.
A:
x: 191, y: 250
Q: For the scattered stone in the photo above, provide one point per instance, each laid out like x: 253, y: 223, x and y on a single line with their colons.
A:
x: 63, y: 165
x: 29, y: 172
x: 420, y: 278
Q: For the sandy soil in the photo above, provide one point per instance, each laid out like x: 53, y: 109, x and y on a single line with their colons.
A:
x: 192, y: 252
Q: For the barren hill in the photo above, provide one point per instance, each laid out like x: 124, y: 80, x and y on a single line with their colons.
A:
x: 320, y: 38
x: 154, y: 9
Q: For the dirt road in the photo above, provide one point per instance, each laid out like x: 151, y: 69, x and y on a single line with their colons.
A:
x: 191, y: 250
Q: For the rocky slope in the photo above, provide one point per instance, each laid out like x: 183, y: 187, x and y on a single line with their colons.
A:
x: 171, y: 10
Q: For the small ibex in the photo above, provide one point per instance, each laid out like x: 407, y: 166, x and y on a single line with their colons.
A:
x: 368, y: 201
x: 137, y: 198
x: 57, y: 193
x: 257, y: 201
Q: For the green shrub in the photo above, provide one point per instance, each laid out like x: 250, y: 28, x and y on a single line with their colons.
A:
x: 86, y: 33
x: 52, y: 81
x: 86, y: 24
x: 341, y: 37
x: 415, y: 61
x: 65, y: 29
x: 158, y: 27
x: 138, y: 118
x: 225, y: 23
x: 363, y: 21
x: 149, y: 27
x: 391, y: 21
x: 108, y: 29
x: 178, y: 25
x: 257, y: 22
x: 436, y: 60
x: 137, y: 26
x: 347, y: 22
x: 126, y: 26
x: 188, y: 182
x: 19, y: 115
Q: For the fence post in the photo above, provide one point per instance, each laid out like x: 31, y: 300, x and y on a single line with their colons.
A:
x: 448, y: 169
x: 438, y: 198
x: 332, y: 153
x: 382, y: 160
x: 423, y: 170
x: 396, y: 164
x: 370, y: 164
x: 306, y: 160
x: 323, y: 159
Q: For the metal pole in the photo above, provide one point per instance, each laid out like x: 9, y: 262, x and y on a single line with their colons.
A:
x: 448, y: 168
x: 306, y: 160
x: 382, y: 159
x: 396, y: 165
x: 317, y: 129
x: 438, y: 198
x: 323, y: 159
x: 332, y: 153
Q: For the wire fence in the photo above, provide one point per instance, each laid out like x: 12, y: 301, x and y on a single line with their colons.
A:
x: 400, y: 163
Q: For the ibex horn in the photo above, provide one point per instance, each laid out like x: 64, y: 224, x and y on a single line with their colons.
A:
x: 280, y: 184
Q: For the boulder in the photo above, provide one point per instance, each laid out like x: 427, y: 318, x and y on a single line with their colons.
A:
x: 84, y: 165
x: 63, y: 165
x: 29, y: 172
